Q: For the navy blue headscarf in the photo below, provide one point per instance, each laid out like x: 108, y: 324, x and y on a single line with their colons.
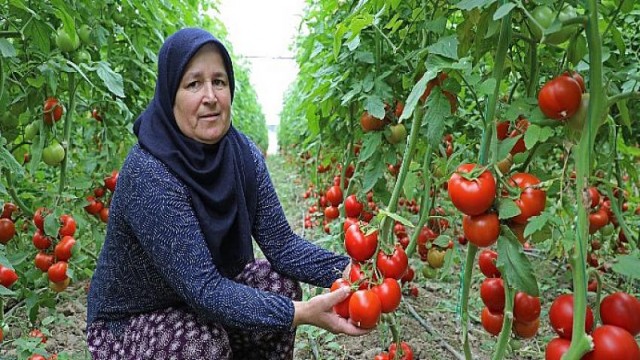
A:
x: 221, y: 177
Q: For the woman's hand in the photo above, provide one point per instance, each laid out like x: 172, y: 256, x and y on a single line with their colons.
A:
x: 318, y: 311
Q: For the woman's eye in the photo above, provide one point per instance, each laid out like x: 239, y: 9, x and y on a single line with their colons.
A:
x: 218, y: 83
x: 193, y: 85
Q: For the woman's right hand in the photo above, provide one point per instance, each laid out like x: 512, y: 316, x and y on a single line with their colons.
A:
x: 318, y: 311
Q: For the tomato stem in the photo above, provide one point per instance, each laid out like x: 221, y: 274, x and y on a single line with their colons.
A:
x: 424, y: 209
x: 66, y: 143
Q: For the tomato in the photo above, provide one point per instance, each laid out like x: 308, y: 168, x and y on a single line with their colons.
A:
x: 435, y: 257
x: 481, y: 230
x: 63, y: 248
x: 104, y: 215
x: 348, y: 222
x: 59, y: 286
x: 578, y: 78
x: 331, y: 212
x: 58, y: 271
x: 37, y: 357
x: 593, y: 196
x: 357, y: 276
x: 622, y: 310
x: 40, y: 240
x: 612, y: 342
x: 53, y: 154
x: 359, y: 246
x: 526, y: 308
x: 84, y: 33
x: 68, y: 227
x: 407, y: 352
x: 502, y: 129
x: 111, y: 180
x: 394, y: 265
x: 382, y: 356
x: 365, y: 309
x: 8, y: 276
x: 334, y: 195
x: 66, y: 42
x: 472, y: 197
x: 439, y: 81
x: 408, y: 275
x: 389, y: 293
x: 7, y: 230
x: 425, y: 235
x: 7, y: 210
x: 492, y: 294
x: 521, y: 128
x: 94, y: 206
x: 545, y: 16
x: 598, y: 220
x: 556, y: 348
x: 96, y: 115
x: 52, y: 111
x: 560, y: 97
x: 561, y: 316
x: 352, y: 206
x: 396, y: 134
x: 43, y: 261
x: 492, y: 322
x: 370, y: 123
x: 487, y: 263
x: 526, y: 330
x: 342, y: 308
x: 532, y: 200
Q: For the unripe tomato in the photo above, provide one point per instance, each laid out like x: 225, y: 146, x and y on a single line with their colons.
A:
x: 53, y: 154
x: 59, y: 286
x: 66, y: 42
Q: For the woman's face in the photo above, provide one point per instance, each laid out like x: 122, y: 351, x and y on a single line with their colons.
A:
x: 203, y: 101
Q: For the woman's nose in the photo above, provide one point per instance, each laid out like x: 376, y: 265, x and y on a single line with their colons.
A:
x: 209, y: 93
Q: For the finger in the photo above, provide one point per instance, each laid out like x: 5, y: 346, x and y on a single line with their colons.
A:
x: 337, y: 296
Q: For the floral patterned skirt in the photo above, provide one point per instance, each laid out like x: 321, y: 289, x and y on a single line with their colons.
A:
x: 177, y: 333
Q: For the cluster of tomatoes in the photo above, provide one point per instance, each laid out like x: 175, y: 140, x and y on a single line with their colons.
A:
x: 36, y: 333
x: 614, y: 339
x: 505, y: 130
x: 97, y: 207
x: 54, y: 263
x: 406, y: 352
x: 8, y: 275
x: 526, y: 308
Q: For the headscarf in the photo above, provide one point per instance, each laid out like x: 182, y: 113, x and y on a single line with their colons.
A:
x: 221, y: 177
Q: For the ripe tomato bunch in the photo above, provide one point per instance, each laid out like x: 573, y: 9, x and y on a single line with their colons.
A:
x: 403, y: 352
x: 520, y: 127
x: 526, y: 308
x: 7, y: 224
x: 95, y: 206
x: 54, y: 263
x: 614, y: 339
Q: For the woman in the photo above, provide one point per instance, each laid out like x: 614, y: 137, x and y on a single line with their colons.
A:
x: 176, y: 277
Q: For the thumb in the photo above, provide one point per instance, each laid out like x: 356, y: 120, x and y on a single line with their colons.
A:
x: 337, y: 296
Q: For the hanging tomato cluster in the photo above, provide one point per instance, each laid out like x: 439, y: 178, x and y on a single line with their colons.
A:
x: 97, y: 207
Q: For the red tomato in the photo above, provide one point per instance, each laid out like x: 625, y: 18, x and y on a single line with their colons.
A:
x: 394, y: 265
x: 611, y: 342
x: 68, y: 227
x: 52, y: 111
x: 502, y: 129
x: 382, y: 356
x: 94, y: 206
x: 40, y: 240
x: 365, y: 309
x: 526, y: 308
x: 370, y: 123
x: 487, y: 262
x: 334, y: 195
x: 492, y: 294
x: 407, y: 352
x: 43, y: 261
x: 532, y: 200
x: 352, y: 206
x: 104, y: 216
x: 560, y: 97
x: 331, y: 212
x: 598, y: 219
x: 408, y: 275
x: 8, y: 277
x: 7, y: 210
x: 63, y: 248
x: 526, y: 330
x: 389, y: 293
x: 521, y: 128
x: 357, y: 276
x: 348, y: 222
x: 58, y: 271
x: 481, y: 230
x: 491, y: 322
x: 578, y: 78
x: 342, y: 308
x: 7, y: 230
x: 561, y: 316
x: 111, y: 181
x: 36, y: 333
x: 472, y: 197
x: 38, y: 217
x: 359, y: 246
x: 622, y: 310
x: 593, y: 196
x: 556, y: 348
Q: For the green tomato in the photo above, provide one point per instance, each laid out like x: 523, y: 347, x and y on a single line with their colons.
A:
x: 428, y: 272
x: 31, y: 130
x: 545, y: 16
x: 396, y: 133
x: 66, y: 42
x: 82, y: 57
x: 84, y: 32
x: 607, y: 230
x: 53, y: 154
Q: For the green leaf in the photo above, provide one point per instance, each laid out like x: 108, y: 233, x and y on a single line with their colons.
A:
x: 531, y: 136
x: 7, y: 161
x: 514, y: 264
x: 442, y: 241
x: 6, y: 292
x: 472, y: 4
x: 438, y: 108
x: 374, y: 105
x: 536, y: 223
x: 39, y: 33
x: 396, y: 217
x: 627, y: 265
x: 370, y: 145
x: 625, y: 117
x: 503, y: 11
x: 373, y: 172
x: 507, y: 208
x: 505, y: 146
x: 7, y: 49
x: 111, y: 79
x: 416, y: 92
x: 446, y: 46
x: 487, y: 86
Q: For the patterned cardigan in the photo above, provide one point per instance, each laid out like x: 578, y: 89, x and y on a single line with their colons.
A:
x: 155, y: 255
